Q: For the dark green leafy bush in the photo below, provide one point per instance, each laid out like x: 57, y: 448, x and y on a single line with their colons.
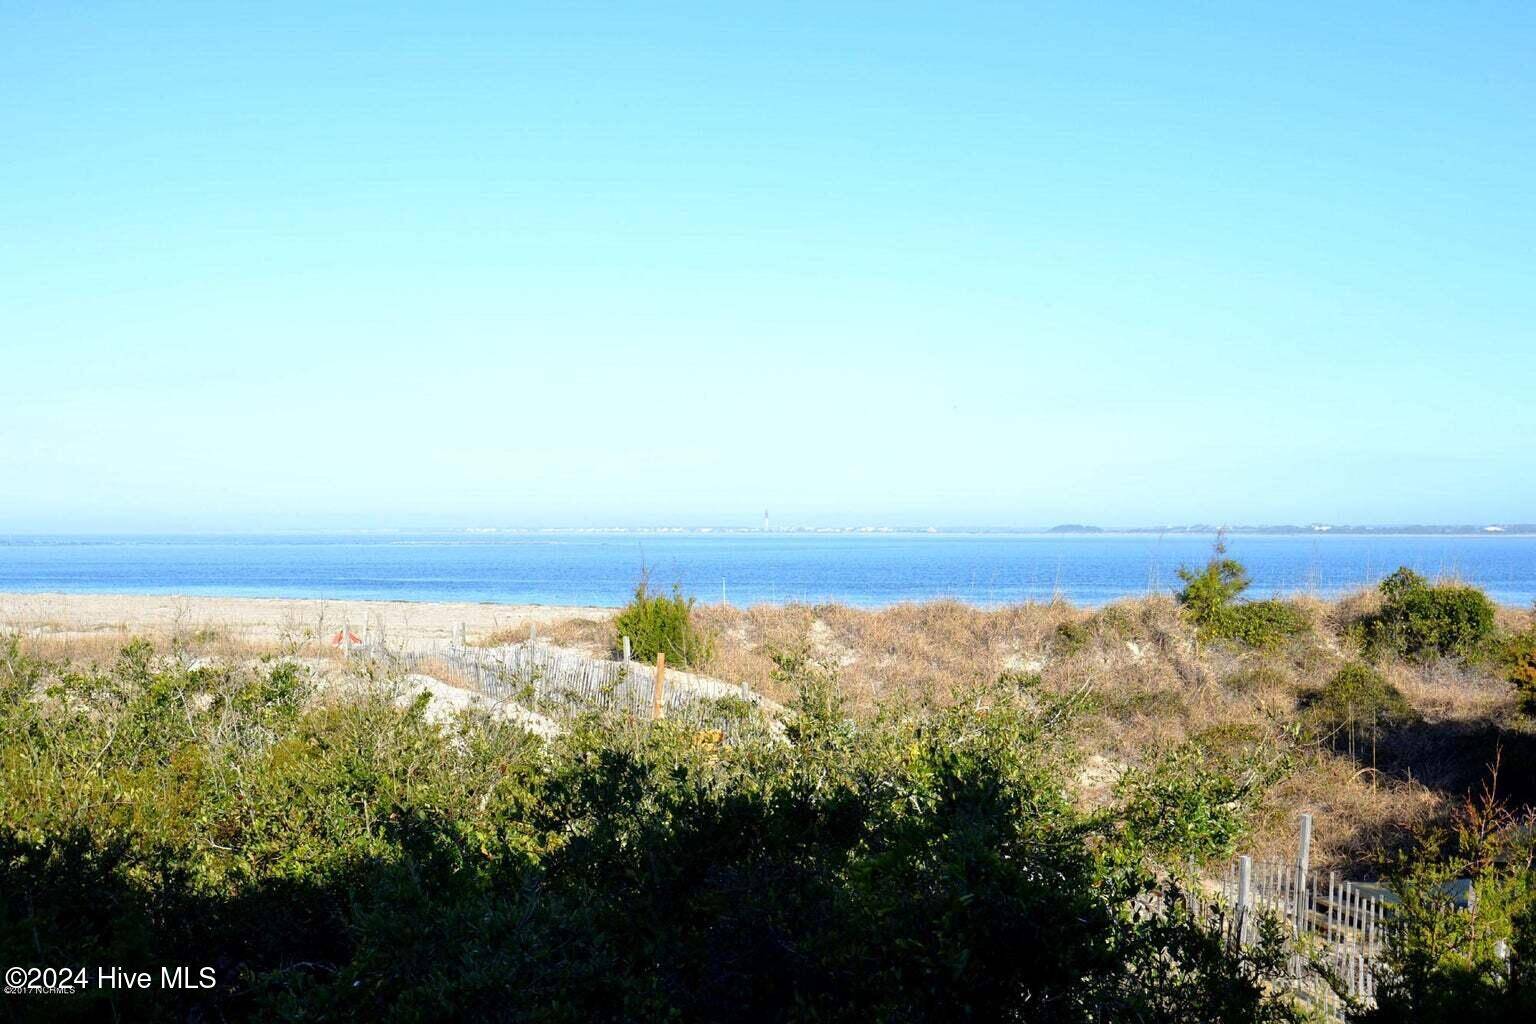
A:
x: 658, y: 624
x: 1462, y: 946
x: 1194, y: 802
x: 1262, y: 624
x: 1421, y: 620
x: 1208, y: 595
x: 1358, y: 701
x: 1518, y: 658
x: 1210, y: 599
x: 354, y: 861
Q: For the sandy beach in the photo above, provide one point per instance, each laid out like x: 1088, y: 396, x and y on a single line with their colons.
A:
x: 269, y: 619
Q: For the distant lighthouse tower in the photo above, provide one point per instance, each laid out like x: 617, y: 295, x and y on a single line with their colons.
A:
x: 765, y: 520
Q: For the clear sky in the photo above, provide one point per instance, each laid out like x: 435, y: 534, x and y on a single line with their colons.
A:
x: 317, y: 264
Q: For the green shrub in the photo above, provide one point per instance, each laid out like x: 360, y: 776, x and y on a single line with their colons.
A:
x: 1420, y: 620
x: 1358, y: 701
x: 1210, y: 600
x: 1193, y: 802
x: 1072, y: 637
x: 1449, y: 959
x: 1261, y: 624
x: 1208, y: 595
x: 658, y: 624
x: 1518, y: 658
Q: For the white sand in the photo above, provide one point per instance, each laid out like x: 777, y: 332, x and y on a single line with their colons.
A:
x: 271, y: 619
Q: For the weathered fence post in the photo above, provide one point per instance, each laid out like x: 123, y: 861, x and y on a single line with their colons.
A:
x: 346, y: 639
x: 660, y: 691
x: 626, y: 650
x: 1333, y: 908
x: 1303, y: 859
x: 458, y: 636
x: 533, y: 633
x: 1244, y: 884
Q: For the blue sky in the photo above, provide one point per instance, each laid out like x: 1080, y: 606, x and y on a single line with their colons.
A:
x: 321, y: 265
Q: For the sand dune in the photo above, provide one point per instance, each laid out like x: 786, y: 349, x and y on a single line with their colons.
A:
x: 264, y: 619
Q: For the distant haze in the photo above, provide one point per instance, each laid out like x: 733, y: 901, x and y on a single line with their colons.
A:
x: 283, y: 266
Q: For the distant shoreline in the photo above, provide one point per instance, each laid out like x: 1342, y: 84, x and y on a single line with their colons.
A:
x: 1069, y: 530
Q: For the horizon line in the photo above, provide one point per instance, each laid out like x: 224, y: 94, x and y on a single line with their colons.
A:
x: 1060, y: 529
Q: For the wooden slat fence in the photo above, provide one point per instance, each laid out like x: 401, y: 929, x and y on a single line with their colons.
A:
x: 560, y: 682
x: 1336, y: 928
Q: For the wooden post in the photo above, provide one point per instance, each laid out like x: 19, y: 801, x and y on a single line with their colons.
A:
x: 1244, y: 884
x: 1333, y: 908
x: 458, y: 635
x: 657, y: 709
x: 346, y: 639
x: 1303, y: 860
x: 533, y: 633
x: 626, y: 650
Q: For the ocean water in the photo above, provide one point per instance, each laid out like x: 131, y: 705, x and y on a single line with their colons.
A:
x: 859, y: 569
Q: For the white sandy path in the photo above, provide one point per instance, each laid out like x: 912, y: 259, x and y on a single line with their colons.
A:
x: 272, y: 619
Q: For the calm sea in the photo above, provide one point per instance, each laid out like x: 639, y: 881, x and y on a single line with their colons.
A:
x: 602, y: 568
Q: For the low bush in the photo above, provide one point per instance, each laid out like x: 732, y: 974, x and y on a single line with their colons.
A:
x: 1117, y: 621
x: 1195, y: 801
x: 1358, y: 701
x: 1262, y: 624
x: 1257, y: 679
x: 659, y: 624
x: 1420, y: 620
x: 1210, y: 599
x: 1518, y: 658
x: 1208, y: 594
x: 1071, y: 637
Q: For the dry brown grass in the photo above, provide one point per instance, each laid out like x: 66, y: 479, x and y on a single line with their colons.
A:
x: 594, y: 636
x: 1153, y: 687
x: 924, y: 652
x: 1359, y: 819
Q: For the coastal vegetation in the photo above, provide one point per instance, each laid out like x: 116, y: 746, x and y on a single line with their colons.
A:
x: 1376, y: 763
x: 1422, y: 621
x: 1210, y: 599
x: 950, y: 812
x: 350, y: 859
x: 662, y: 624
